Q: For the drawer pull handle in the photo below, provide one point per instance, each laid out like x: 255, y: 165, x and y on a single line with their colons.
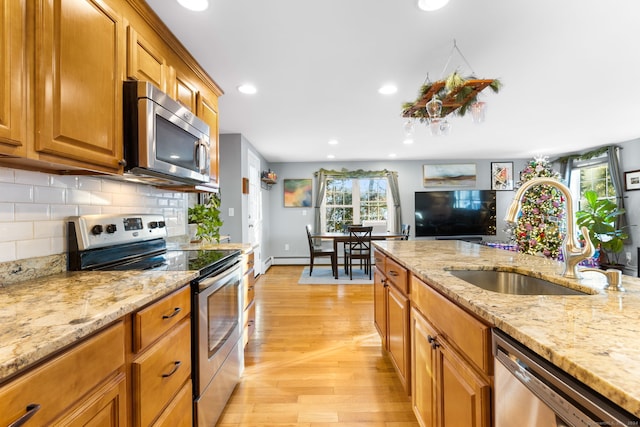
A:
x: 175, y: 312
x: 32, y: 408
x: 176, y: 365
x: 432, y: 340
x: 393, y: 273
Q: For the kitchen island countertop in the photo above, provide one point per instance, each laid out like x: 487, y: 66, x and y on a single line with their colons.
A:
x: 592, y: 337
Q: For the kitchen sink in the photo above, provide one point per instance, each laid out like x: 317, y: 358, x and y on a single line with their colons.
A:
x: 508, y: 282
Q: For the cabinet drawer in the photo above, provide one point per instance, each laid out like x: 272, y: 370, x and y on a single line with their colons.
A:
x: 160, y: 372
x: 248, y: 288
x: 397, y: 274
x: 249, y: 322
x: 469, y: 335
x: 179, y: 412
x: 61, y: 381
x: 379, y: 260
x: 248, y: 261
x: 153, y: 321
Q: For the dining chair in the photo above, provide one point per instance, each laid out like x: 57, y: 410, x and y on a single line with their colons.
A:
x: 320, y: 251
x: 405, y: 231
x: 358, y: 247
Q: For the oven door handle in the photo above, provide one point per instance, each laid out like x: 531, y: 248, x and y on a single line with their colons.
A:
x: 211, y: 284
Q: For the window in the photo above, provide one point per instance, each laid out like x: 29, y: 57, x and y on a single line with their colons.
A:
x: 353, y: 200
x: 592, y: 174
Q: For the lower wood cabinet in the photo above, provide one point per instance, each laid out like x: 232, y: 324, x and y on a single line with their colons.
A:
x: 248, y: 297
x: 84, y: 385
x: 391, y: 313
x: 451, y: 384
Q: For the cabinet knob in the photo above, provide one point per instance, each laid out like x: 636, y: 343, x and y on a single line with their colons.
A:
x: 433, y: 341
x: 122, y: 162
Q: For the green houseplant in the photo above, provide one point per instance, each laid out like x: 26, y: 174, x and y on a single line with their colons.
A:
x: 206, y: 217
x: 599, y: 217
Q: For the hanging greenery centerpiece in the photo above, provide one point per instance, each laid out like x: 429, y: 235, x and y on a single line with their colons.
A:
x: 540, y: 229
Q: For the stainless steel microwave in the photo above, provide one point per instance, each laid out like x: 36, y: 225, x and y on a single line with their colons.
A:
x: 164, y: 142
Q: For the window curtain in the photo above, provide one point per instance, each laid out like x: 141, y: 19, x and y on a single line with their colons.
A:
x: 613, y: 159
x: 321, y: 185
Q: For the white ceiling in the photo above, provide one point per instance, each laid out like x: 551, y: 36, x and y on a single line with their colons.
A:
x: 570, y: 70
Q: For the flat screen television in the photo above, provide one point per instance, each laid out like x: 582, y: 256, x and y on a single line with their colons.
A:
x: 459, y: 213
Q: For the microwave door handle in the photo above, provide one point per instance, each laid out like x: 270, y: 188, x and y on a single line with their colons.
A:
x: 201, y: 156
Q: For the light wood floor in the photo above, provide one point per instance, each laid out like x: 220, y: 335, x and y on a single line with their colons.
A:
x: 315, y: 360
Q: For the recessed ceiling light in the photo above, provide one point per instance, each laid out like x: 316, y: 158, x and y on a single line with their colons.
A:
x: 195, y: 5
x: 388, y: 89
x: 247, y: 89
x: 408, y: 141
x: 331, y: 156
x: 431, y: 5
x: 392, y: 155
x: 333, y: 142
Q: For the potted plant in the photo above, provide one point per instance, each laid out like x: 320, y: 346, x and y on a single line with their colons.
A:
x: 599, y: 217
x: 206, y: 218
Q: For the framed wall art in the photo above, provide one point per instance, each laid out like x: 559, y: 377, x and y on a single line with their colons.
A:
x: 502, y: 175
x: 462, y: 175
x: 632, y: 180
x: 297, y: 193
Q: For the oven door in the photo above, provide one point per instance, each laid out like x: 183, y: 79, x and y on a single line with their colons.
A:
x: 218, y: 323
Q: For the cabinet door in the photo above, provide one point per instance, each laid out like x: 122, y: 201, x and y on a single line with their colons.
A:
x: 105, y: 408
x: 465, y: 395
x: 144, y: 61
x: 78, y: 85
x: 208, y: 112
x: 12, y: 78
x: 423, y: 368
x: 398, y: 333
x: 380, y: 305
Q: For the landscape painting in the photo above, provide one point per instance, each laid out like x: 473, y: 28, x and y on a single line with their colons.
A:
x: 297, y: 193
x: 452, y: 175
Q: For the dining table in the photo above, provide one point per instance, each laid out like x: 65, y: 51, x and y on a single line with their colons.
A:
x: 339, y: 236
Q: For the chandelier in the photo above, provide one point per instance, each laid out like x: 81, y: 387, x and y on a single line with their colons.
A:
x: 440, y: 99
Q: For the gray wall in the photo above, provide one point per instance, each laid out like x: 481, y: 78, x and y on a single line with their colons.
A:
x: 287, y: 225
x: 630, y: 161
x: 234, y: 150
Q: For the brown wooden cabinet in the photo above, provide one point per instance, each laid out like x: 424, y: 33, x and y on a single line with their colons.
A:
x: 450, y: 356
x: 79, y: 68
x: 81, y: 385
x: 208, y: 112
x: 13, y: 78
x: 391, y: 313
x: 145, y: 60
x: 161, y: 365
x: 249, y: 304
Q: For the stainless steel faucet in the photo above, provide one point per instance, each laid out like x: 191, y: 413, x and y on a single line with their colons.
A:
x: 572, y: 251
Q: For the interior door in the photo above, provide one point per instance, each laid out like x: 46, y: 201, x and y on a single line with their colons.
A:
x: 254, y: 211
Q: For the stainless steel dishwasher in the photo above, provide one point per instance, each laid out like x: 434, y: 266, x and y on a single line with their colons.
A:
x: 529, y: 391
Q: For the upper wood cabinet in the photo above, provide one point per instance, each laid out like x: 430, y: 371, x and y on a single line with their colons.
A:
x: 62, y: 65
x: 208, y: 111
x: 145, y: 61
x: 78, y: 85
x: 12, y: 78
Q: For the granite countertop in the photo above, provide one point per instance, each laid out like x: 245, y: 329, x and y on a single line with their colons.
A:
x: 43, y: 315
x: 592, y: 337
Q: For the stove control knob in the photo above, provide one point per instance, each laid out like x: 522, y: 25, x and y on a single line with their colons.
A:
x: 153, y: 224
x: 111, y: 228
x: 161, y: 224
x: 96, y: 230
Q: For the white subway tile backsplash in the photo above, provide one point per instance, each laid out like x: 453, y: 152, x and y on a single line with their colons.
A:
x: 34, y: 208
x: 8, y: 251
x: 33, y: 248
x: 6, y: 212
x: 51, y: 195
x: 16, y: 192
x: 29, y: 177
x: 32, y: 212
x: 10, y: 231
x: 7, y: 175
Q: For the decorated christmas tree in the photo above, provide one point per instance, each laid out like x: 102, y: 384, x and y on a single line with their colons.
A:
x: 540, y: 228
